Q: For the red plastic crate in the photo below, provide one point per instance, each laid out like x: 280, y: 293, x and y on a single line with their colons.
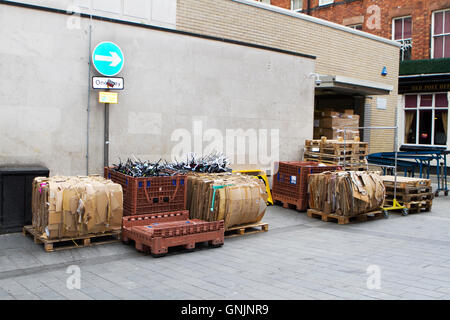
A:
x: 146, y: 219
x: 300, y: 202
x: 291, y: 181
x: 158, y: 237
x: 151, y: 194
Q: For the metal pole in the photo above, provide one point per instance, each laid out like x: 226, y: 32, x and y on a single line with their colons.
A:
x: 106, y: 148
x: 345, y: 151
x: 89, y: 98
x: 395, y: 165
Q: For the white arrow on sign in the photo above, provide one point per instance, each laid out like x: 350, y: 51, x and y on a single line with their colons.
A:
x: 114, y: 58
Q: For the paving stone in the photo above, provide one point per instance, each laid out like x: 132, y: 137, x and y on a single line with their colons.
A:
x: 299, y: 258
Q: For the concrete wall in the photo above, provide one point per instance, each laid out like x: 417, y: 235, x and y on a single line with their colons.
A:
x: 152, y: 12
x: 171, y: 81
x: 339, y: 50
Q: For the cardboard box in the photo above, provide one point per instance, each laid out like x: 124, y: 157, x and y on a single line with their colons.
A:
x: 339, y: 121
x: 335, y: 133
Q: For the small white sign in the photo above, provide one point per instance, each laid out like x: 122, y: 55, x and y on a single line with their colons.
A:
x: 382, y: 103
x: 102, y: 83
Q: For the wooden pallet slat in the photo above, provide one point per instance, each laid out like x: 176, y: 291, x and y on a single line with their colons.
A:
x: 246, y: 229
x: 410, y: 197
x: 70, y: 243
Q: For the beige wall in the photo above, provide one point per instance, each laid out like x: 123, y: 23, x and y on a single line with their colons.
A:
x: 338, y: 52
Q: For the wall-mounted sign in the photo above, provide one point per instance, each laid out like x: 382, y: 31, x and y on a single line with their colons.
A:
x: 107, y: 83
x: 108, y: 58
x: 424, y: 87
x: 108, y: 97
x: 382, y: 103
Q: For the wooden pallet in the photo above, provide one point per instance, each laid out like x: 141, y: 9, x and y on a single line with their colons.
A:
x: 329, y: 217
x: 414, y: 206
x: 349, y: 165
x: 246, y: 229
x: 409, y: 197
x: 70, y: 243
x: 408, y: 190
x: 333, y: 157
x: 337, y: 147
x: 340, y: 152
x: 405, y: 182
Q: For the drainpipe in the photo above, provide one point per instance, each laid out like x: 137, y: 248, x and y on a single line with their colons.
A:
x: 308, y: 8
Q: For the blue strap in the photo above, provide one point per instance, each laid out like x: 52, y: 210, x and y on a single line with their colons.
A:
x: 214, y: 194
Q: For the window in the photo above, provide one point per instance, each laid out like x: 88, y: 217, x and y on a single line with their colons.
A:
x: 357, y: 27
x: 264, y: 1
x: 325, y: 2
x: 441, y: 34
x: 426, y: 117
x: 402, y: 32
x: 296, y: 5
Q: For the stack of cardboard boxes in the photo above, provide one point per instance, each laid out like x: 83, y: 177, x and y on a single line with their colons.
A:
x: 331, y: 124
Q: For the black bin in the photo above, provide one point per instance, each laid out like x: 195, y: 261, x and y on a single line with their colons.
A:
x: 15, y: 195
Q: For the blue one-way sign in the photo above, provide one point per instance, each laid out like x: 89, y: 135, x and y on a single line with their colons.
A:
x: 108, y: 58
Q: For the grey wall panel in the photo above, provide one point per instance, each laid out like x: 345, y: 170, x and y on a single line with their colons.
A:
x: 173, y: 83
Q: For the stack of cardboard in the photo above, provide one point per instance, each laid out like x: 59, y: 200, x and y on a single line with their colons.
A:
x: 346, y: 193
x: 236, y: 199
x: 76, y: 206
x: 331, y: 124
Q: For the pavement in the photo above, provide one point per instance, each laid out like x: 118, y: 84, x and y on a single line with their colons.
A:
x: 403, y: 257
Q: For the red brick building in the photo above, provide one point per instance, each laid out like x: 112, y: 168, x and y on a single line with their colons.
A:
x: 421, y: 23
x: 423, y: 29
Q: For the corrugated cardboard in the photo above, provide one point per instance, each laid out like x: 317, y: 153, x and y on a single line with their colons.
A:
x: 238, y: 199
x: 335, y: 133
x: 346, y: 193
x: 76, y: 206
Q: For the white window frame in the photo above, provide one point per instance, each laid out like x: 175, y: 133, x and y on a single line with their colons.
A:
x: 417, y: 109
x: 432, y: 31
x: 297, y: 10
x: 353, y: 26
x: 403, y: 41
x: 265, y: 2
x: 325, y: 2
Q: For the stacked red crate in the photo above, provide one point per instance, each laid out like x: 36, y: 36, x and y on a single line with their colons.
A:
x: 157, y: 232
x: 150, y: 194
x: 290, y: 183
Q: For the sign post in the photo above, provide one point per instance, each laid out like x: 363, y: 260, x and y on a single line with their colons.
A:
x: 106, y: 147
x: 108, y: 60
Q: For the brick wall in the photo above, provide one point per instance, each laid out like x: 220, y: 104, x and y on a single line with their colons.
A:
x: 338, y: 52
x: 286, y: 4
x: 419, y: 10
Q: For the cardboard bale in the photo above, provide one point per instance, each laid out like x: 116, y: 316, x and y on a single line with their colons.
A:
x: 237, y: 199
x: 346, y: 193
x: 76, y: 206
